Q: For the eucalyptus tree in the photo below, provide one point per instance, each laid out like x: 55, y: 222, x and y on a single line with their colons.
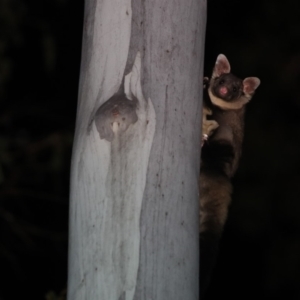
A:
x: 134, y: 205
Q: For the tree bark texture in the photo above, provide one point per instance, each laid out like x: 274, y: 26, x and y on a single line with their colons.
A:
x: 134, y: 204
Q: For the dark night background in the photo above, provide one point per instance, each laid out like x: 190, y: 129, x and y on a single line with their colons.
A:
x: 40, y: 44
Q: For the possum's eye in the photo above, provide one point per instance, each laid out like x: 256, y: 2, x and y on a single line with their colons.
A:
x: 234, y: 89
x: 221, y: 82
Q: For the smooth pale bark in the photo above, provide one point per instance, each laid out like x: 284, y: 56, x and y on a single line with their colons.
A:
x: 134, y: 201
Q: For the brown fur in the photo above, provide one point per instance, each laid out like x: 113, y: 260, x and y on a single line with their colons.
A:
x: 216, y: 191
x: 225, y: 106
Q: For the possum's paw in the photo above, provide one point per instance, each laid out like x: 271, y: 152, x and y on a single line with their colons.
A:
x: 208, y: 126
x: 205, y: 82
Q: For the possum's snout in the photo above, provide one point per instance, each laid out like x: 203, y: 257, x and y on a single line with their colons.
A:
x: 223, y: 91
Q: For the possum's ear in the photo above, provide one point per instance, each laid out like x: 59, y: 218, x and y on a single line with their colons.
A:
x: 250, y: 85
x: 222, y: 66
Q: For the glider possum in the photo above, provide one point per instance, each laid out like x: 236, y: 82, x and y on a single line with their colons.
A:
x: 222, y: 131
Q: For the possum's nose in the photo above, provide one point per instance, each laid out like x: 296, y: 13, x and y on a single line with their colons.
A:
x: 223, y: 91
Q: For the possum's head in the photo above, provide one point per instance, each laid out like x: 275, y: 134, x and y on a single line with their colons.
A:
x: 228, y: 91
x: 227, y: 87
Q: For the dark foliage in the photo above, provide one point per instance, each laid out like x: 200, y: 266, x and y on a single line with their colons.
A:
x: 40, y: 43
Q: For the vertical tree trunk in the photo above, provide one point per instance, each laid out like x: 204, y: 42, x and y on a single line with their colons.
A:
x: 134, y: 194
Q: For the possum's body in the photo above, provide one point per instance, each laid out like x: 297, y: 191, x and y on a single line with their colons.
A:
x: 221, y: 152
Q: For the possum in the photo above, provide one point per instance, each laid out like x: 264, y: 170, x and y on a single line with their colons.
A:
x: 223, y: 131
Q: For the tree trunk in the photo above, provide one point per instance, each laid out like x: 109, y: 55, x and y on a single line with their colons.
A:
x: 134, y: 186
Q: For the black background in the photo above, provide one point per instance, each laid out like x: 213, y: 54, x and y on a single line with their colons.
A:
x: 40, y: 44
